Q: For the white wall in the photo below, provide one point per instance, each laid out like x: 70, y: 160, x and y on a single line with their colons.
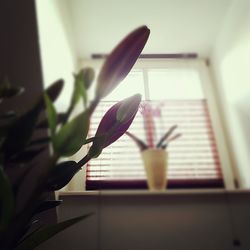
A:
x: 231, y: 66
x: 59, y: 59
x: 177, y: 26
x: 56, y: 45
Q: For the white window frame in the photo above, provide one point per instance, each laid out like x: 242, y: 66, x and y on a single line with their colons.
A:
x: 209, y: 92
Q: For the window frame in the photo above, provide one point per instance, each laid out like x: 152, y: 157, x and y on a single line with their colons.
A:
x: 209, y: 90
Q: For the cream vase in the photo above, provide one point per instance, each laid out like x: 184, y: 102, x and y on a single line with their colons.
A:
x: 155, y: 164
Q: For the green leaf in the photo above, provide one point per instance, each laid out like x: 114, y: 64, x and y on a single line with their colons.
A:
x: 166, y: 136
x: 6, y: 200
x: 72, y: 135
x: 21, y: 131
x: 75, y: 98
x: 44, y: 124
x: 46, y: 205
x: 27, y: 155
x: 79, y: 90
x: 51, y: 114
x: 8, y: 91
x: 35, y: 239
x: 54, y: 90
x: 40, y: 141
x: 82, y: 90
x: 61, y: 175
x: 141, y: 144
x: 8, y: 115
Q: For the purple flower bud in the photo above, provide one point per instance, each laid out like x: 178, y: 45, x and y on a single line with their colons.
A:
x: 128, y: 108
x: 111, y: 128
x: 121, y: 60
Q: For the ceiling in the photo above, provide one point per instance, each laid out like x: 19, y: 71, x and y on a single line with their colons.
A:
x: 177, y: 26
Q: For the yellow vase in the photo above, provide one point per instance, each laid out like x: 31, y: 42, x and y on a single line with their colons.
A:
x: 155, y: 164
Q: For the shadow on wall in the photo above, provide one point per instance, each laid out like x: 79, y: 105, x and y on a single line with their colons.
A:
x: 243, y: 111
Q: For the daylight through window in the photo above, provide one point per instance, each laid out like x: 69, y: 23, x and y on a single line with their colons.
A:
x: 177, y: 98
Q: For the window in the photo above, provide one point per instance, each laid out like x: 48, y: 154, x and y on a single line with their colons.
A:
x: 176, y: 93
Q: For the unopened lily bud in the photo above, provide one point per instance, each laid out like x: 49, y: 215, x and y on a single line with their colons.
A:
x: 121, y: 60
x: 128, y: 108
x: 110, y: 128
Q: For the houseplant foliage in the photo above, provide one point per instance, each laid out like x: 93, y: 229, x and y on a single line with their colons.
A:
x: 147, y: 112
x: 25, y: 183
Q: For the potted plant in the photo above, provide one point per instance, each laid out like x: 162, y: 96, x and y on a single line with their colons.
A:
x: 25, y: 181
x: 154, y: 155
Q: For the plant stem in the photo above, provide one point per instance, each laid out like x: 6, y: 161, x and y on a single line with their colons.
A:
x: 93, y: 106
x: 83, y: 161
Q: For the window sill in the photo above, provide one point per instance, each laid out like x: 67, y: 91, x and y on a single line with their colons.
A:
x: 150, y: 193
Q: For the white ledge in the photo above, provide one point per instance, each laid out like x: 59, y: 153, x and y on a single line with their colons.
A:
x: 146, y: 192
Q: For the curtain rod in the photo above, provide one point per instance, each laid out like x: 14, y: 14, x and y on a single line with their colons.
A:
x: 156, y: 56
